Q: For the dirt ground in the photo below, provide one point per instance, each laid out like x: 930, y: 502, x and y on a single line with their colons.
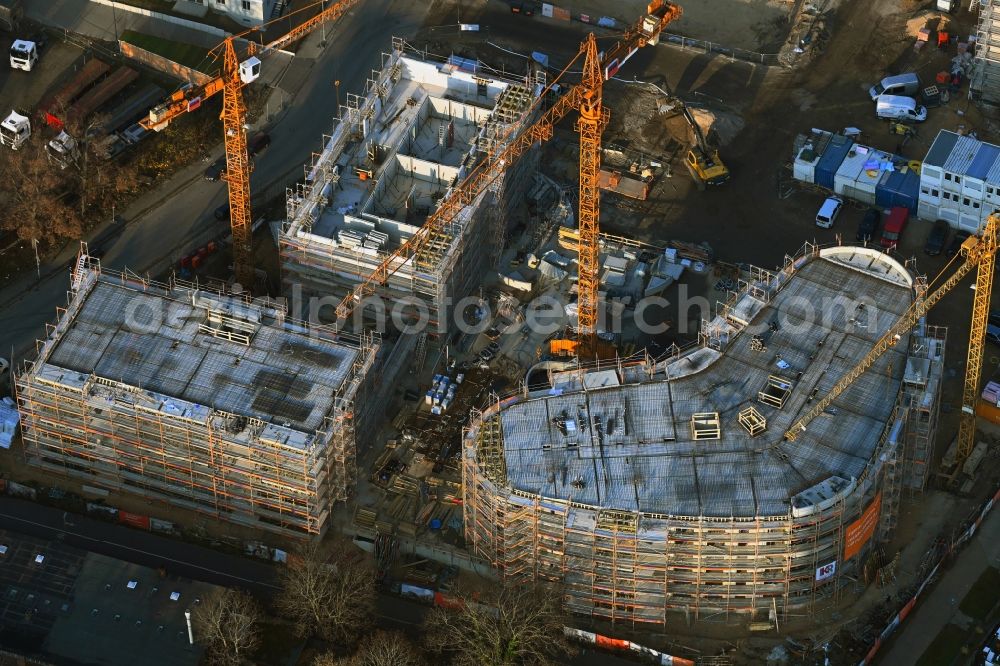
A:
x: 758, y: 217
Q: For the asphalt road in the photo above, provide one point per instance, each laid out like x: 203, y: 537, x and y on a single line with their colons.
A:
x: 152, y: 240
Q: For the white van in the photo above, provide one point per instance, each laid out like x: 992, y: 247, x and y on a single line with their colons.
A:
x: 828, y: 212
x: 901, y: 84
x: 894, y: 107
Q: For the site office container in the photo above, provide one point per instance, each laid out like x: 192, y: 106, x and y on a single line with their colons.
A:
x: 834, y: 156
x: 847, y: 173
x: 898, y: 188
x: 804, y: 165
x: 866, y: 184
x: 991, y: 194
x: 956, y: 165
x: 974, y: 183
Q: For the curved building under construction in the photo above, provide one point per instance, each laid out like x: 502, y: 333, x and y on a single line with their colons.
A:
x: 666, y: 487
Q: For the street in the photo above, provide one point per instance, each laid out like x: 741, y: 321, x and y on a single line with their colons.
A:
x: 150, y: 242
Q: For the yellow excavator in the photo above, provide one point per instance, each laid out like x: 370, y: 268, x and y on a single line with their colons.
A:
x: 702, y: 160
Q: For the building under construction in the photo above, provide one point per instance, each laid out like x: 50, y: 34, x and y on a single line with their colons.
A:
x: 985, y: 80
x: 394, y: 153
x: 210, y: 402
x: 667, y: 486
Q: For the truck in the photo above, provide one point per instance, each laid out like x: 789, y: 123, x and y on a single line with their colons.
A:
x: 23, y: 54
x: 11, y: 13
x: 53, y: 108
x: 15, y: 130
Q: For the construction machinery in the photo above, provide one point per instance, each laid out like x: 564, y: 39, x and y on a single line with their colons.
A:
x: 702, y: 160
x: 593, y: 117
x: 237, y: 73
x: 977, y: 252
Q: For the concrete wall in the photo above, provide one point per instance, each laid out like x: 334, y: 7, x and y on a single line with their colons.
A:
x: 162, y: 64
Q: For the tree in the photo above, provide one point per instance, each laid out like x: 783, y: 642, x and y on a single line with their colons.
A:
x: 383, y: 648
x: 519, y: 624
x: 226, y: 623
x: 38, y: 196
x: 331, y: 599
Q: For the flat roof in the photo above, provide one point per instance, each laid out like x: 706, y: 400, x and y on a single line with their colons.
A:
x: 80, y: 606
x: 189, y: 351
x: 631, y: 447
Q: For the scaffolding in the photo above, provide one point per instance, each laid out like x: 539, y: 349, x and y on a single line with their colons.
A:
x: 663, y: 486
x: 205, y: 400
x: 394, y: 155
x: 985, y: 80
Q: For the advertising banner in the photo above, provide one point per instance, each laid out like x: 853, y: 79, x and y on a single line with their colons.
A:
x: 826, y: 571
x: 861, y: 530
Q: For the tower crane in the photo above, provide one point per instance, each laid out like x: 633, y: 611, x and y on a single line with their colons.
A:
x: 977, y: 252
x: 586, y: 97
x: 236, y: 74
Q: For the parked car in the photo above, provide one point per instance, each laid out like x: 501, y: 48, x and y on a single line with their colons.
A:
x: 523, y: 8
x: 894, y: 226
x: 868, y: 227
x: 258, y: 143
x: 216, y: 171
x: 222, y: 212
x: 993, y: 334
x: 901, y: 84
x: 956, y: 242
x: 897, y: 107
x: 937, y: 238
x: 829, y: 211
x: 994, y: 317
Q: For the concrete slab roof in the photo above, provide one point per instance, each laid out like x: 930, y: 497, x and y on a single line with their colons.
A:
x: 189, y: 351
x: 631, y: 446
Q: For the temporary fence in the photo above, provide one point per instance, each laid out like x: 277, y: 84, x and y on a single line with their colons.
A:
x: 770, y: 59
x: 907, y: 608
x: 609, y: 643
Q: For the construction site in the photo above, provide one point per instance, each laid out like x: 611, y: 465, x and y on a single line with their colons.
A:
x: 421, y: 126
x: 665, y: 487
x: 204, y: 400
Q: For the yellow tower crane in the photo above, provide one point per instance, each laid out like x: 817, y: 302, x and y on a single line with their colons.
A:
x: 587, y: 99
x: 236, y: 74
x: 977, y: 252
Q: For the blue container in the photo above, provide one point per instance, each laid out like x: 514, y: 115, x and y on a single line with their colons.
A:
x: 898, y: 189
x: 834, y: 156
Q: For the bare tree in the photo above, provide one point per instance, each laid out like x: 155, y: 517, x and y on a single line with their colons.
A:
x: 382, y: 648
x: 37, y: 196
x: 333, y: 599
x: 519, y: 624
x: 226, y: 622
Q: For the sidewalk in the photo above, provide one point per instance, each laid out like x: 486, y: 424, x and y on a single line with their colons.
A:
x: 941, y: 606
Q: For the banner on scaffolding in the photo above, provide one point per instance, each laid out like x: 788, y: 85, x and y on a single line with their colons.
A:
x: 826, y: 571
x: 861, y: 530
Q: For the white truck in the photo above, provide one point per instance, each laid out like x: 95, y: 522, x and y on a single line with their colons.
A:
x: 63, y: 150
x: 15, y: 130
x: 23, y: 54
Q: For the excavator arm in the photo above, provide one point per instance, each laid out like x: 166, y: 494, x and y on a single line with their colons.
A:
x: 190, y: 98
x: 646, y: 31
x: 978, y: 252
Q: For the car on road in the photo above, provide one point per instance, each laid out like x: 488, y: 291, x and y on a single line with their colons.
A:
x: 956, y: 242
x: 829, y: 211
x: 216, y: 170
x: 868, y: 227
x: 258, y: 143
x: 222, y: 212
x: 523, y: 8
x: 937, y: 238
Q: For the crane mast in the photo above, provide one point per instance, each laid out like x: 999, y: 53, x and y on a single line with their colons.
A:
x: 237, y: 175
x: 230, y: 83
x: 591, y: 123
x: 977, y: 252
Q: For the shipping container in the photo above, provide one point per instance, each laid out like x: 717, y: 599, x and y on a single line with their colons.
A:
x: 809, y: 154
x: 849, y: 169
x: 868, y: 179
x: 898, y: 188
x: 831, y: 160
